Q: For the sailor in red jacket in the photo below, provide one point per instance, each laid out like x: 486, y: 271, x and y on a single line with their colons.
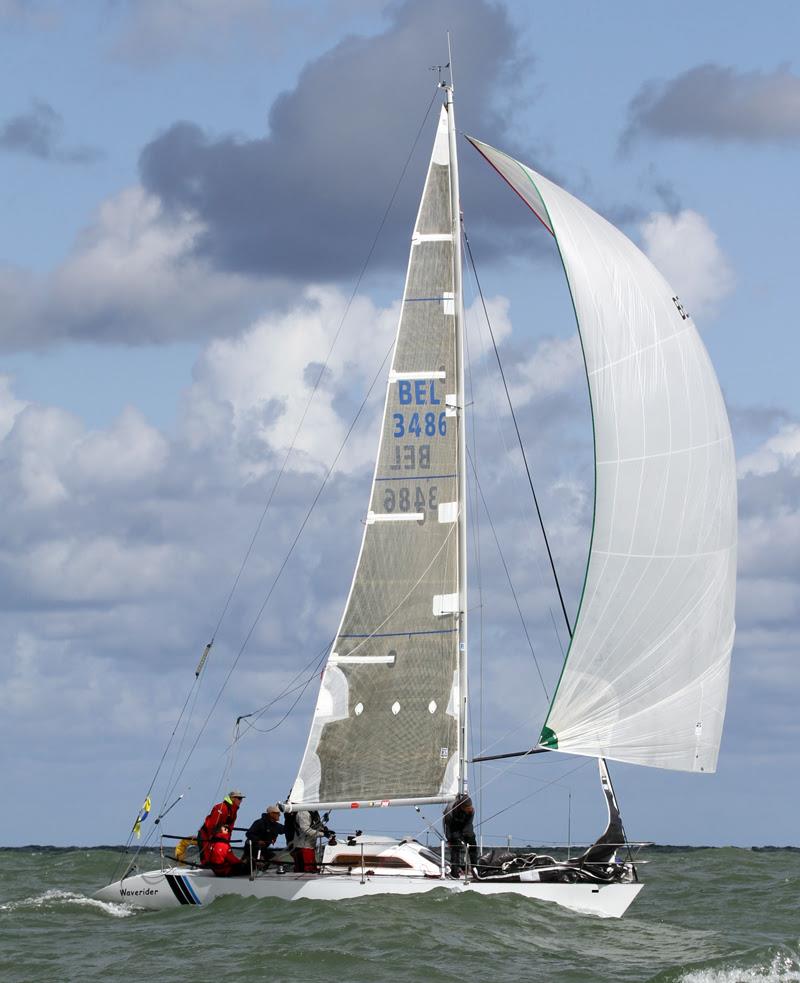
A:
x: 223, y: 814
x: 222, y: 860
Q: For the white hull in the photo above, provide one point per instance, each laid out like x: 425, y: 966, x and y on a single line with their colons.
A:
x: 175, y: 886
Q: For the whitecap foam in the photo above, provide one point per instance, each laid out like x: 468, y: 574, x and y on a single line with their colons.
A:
x: 782, y: 969
x: 56, y: 897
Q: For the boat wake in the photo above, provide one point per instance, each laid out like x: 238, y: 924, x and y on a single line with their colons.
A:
x: 56, y: 898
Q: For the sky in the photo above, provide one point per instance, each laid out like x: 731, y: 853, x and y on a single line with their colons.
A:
x: 203, y: 205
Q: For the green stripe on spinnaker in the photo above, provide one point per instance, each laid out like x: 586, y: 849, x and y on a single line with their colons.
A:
x: 548, y: 739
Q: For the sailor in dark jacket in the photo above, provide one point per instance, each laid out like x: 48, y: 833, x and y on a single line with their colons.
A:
x: 261, y: 835
x: 458, y: 829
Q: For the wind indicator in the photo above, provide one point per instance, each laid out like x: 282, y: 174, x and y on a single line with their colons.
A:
x: 440, y: 69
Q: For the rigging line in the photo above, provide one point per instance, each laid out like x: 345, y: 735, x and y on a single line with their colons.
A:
x: 287, y: 557
x: 153, y: 780
x: 527, y: 776
x: 171, y: 784
x: 315, y: 660
x: 555, y: 781
x: 516, y: 427
x: 294, y: 439
x: 476, y: 547
x: 266, y: 730
x: 536, y: 791
x: 555, y: 629
x: 523, y: 755
x: 303, y: 688
x: 192, y: 695
x: 506, y: 450
x: 375, y: 633
x: 324, y: 367
x: 502, y: 771
x: 227, y: 768
x: 509, y: 733
x: 508, y: 576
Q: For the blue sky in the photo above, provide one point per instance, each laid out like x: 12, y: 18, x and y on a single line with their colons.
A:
x: 188, y: 194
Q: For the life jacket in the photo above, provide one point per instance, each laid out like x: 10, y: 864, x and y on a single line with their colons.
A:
x: 222, y: 859
x: 183, y: 846
x: 223, y: 814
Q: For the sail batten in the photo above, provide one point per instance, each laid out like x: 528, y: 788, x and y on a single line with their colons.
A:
x: 646, y: 674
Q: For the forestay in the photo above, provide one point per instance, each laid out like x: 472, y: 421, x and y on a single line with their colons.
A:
x: 646, y: 675
x: 385, y: 726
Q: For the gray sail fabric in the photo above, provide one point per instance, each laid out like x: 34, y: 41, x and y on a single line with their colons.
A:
x: 646, y: 675
x: 385, y: 725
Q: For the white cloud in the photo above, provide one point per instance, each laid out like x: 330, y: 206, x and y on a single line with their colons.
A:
x: 131, y: 277
x: 97, y: 569
x: 135, y: 259
x: 127, y: 453
x: 37, y: 449
x: 554, y: 366
x: 685, y: 249
x: 10, y: 406
x: 51, y: 457
x: 260, y: 383
x: 480, y: 341
x: 781, y: 450
x: 769, y: 544
x: 769, y: 530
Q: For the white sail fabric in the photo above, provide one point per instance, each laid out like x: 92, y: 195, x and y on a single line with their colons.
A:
x: 385, y: 729
x: 646, y: 676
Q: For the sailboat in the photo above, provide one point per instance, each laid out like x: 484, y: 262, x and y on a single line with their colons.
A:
x: 646, y: 673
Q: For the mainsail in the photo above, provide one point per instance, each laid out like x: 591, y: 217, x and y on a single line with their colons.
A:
x: 646, y: 675
x: 387, y: 723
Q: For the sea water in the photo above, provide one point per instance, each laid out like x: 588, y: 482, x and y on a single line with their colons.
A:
x: 705, y: 916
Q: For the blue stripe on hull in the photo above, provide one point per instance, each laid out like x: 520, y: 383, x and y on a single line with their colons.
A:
x: 190, y: 890
x: 181, y: 889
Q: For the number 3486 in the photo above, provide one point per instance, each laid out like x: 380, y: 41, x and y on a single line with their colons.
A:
x: 419, y: 425
x: 410, y: 499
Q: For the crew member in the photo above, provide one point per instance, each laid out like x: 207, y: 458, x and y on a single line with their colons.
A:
x: 223, y: 814
x: 261, y: 835
x: 221, y: 859
x: 458, y: 830
x: 308, y: 827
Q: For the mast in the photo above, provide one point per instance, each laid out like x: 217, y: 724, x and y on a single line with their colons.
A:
x: 455, y: 211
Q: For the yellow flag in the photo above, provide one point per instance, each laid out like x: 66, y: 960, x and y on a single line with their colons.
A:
x: 144, y: 812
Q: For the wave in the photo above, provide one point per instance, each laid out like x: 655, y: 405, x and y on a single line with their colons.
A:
x: 782, y: 968
x: 56, y: 898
